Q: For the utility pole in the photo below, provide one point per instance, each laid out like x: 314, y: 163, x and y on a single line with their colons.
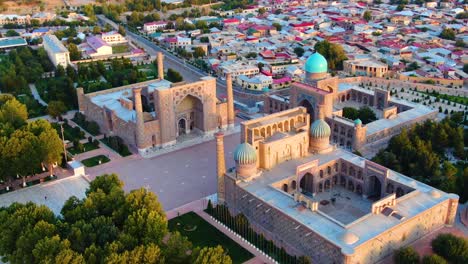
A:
x: 63, y: 143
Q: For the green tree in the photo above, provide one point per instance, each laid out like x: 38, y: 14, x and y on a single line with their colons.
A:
x: 277, y: 26
x: 406, y: 255
x: 14, y: 113
x: 11, y: 33
x: 149, y: 254
x: 367, y: 15
x: 212, y: 255
x: 56, y: 108
x: 460, y: 43
x: 177, y: 249
x: 433, y: 259
x: 447, y: 33
x: 173, y: 76
x: 367, y: 115
x: 452, y: 248
x: 96, y: 30
x: 122, y: 30
x: 333, y: 52
x: 351, y: 113
x: 299, y: 51
x: 75, y: 54
x: 198, y: 52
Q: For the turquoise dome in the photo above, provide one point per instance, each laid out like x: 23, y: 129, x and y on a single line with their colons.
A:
x: 245, y: 154
x: 316, y: 63
x: 358, y: 122
x: 320, y: 129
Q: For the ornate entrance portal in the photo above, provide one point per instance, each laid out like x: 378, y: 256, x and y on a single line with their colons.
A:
x: 189, y: 113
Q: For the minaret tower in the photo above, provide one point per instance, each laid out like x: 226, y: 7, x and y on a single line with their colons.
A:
x: 140, y: 123
x: 160, y: 60
x: 220, y: 165
x: 230, y: 100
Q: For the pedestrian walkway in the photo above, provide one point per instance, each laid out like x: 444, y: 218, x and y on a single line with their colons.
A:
x: 36, y: 95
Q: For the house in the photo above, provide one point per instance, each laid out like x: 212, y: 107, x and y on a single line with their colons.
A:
x: 152, y: 27
x: 96, y: 47
x: 113, y: 37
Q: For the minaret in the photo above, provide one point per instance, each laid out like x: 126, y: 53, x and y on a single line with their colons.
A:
x: 230, y: 100
x: 140, y: 123
x: 160, y: 65
x: 220, y: 165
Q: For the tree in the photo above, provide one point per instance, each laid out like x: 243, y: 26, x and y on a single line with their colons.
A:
x: 406, y: 255
x: 367, y: 115
x: 299, y: 51
x: 400, y: 7
x: 460, y: 43
x: 198, y: 52
x: 351, y: 113
x: 75, y: 54
x: 174, y: 76
x: 447, y: 33
x: 333, y: 52
x: 212, y: 255
x: 11, y: 33
x: 261, y: 10
x: 277, y: 26
x: 13, y: 113
x: 56, y: 108
x: 304, y: 260
x: 452, y: 248
x: 96, y: 30
x: 122, y: 30
x: 433, y: 259
x: 150, y: 254
x: 177, y: 249
x: 367, y: 15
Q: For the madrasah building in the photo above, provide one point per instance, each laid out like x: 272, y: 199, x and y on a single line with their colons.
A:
x: 319, y: 89
x: 155, y: 114
x: 315, y: 199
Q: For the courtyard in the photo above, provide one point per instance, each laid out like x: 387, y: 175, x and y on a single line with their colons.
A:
x: 343, y: 205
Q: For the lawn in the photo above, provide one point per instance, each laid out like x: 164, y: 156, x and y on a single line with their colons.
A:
x: 69, y: 132
x: 94, y: 161
x: 207, y: 235
x: 86, y: 147
x: 119, y: 49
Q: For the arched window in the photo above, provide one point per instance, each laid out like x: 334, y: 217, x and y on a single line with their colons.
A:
x: 336, y: 166
x: 285, y: 187
x: 321, y: 173
x: 293, y: 185
x: 329, y: 170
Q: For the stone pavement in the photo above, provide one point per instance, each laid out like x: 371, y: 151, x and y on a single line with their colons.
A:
x: 52, y: 194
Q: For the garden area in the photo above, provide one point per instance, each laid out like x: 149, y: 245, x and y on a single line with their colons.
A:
x: 90, y: 126
x: 116, y: 143
x: 96, y: 160
x: 120, y: 49
x: 79, y: 148
x: 70, y: 133
x: 202, y: 234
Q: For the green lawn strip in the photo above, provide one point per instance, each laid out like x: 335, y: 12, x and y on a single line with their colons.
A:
x: 86, y: 147
x: 119, y: 49
x: 206, y: 235
x: 94, y: 161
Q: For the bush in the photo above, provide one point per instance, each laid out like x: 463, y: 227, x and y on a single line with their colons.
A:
x: 90, y: 126
x: 434, y: 259
x: 96, y: 142
x: 116, y: 143
x: 90, y: 140
x: 406, y: 255
x: 452, y: 248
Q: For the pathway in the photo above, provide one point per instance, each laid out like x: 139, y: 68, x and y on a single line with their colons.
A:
x: 36, y: 95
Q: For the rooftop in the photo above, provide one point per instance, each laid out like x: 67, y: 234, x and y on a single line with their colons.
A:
x: 12, y: 42
x: 54, y: 44
x: 366, y: 226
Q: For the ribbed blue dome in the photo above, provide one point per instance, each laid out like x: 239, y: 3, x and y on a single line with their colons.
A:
x: 316, y: 63
x: 320, y: 129
x: 358, y: 122
x: 245, y: 154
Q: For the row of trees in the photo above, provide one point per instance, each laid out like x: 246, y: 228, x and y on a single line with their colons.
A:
x: 25, y: 146
x: 447, y: 248
x: 107, y: 226
x: 365, y: 114
x: 422, y: 153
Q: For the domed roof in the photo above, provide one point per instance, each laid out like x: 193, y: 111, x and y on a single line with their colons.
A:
x: 320, y: 129
x: 316, y: 63
x: 245, y: 154
x: 349, y: 238
x: 358, y: 122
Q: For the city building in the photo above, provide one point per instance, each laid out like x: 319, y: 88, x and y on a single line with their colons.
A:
x: 95, y: 47
x: 157, y: 113
x: 10, y: 43
x: 319, y: 89
x: 152, y: 27
x: 14, y: 19
x: 365, y: 67
x: 57, y: 52
x: 312, y: 198
x: 113, y: 37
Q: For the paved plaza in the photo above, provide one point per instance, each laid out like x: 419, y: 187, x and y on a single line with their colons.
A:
x: 178, y: 177
x: 57, y: 192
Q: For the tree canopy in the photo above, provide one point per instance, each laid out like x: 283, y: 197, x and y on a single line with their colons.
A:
x: 107, y: 226
x: 333, y: 52
x: 365, y: 114
x: 406, y: 255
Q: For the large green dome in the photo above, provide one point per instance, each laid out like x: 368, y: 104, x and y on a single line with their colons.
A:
x: 316, y: 63
x: 245, y: 154
x: 320, y: 129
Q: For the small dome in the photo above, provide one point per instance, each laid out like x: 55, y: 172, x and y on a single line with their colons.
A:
x: 320, y: 129
x: 316, y: 63
x: 349, y: 238
x: 358, y: 122
x: 435, y: 194
x: 245, y: 154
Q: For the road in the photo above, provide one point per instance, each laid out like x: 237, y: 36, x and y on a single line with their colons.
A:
x: 188, y: 71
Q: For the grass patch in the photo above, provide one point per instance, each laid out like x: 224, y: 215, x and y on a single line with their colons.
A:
x: 117, y: 144
x: 70, y: 133
x: 119, y: 49
x: 94, y: 161
x: 86, y: 147
x: 206, y: 235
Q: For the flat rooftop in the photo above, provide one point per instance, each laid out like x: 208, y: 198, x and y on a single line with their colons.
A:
x: 366, y: 227
x: 54, y: 44
x: 111, y: 98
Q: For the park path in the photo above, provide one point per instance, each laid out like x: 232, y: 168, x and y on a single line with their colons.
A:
x: 36, y: 95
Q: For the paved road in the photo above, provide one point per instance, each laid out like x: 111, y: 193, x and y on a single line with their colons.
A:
x: 36, y: 95
x: 178, y: 177
x: 188, y: 71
